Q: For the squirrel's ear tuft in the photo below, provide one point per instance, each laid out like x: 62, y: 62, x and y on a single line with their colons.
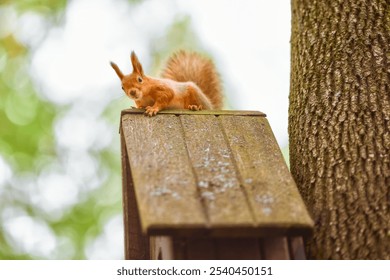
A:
x: 117, y: 70
x: 137, y: 67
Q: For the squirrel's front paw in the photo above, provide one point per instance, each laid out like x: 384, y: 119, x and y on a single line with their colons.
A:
x: 151, y: 111
x: 195, y: 107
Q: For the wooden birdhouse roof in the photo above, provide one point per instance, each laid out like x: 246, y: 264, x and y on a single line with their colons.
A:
x: 210, y: 173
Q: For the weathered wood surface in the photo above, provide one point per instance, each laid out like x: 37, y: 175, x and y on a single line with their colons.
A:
x: 297, y: 248
x: 193, y: 248
x: 211, y: 175
x: 136, y: 242
x: 164, y: 182
x: 238, y: 249
x: 271, y: 192
x: 275, y: 248
x: 200, y: 249
x: 217, y: 180
x: 161, y: 248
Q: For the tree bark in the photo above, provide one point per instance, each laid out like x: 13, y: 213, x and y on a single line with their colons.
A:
x: 339, y: 124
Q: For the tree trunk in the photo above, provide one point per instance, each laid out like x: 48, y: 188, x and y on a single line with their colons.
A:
x: 339, y: 124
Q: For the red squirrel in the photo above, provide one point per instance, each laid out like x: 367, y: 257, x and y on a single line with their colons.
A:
x: 189, y: 81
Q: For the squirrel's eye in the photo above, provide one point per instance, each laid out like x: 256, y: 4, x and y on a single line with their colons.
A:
x: 139, y: 79
x: 123, y: 88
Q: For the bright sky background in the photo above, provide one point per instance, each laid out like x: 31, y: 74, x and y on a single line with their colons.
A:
x: 250, y: 40
x: 250, y: 43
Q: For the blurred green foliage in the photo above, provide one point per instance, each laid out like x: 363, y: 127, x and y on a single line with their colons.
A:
x: 45, y: 6
x: 28, y: 144
x: 26, y: 136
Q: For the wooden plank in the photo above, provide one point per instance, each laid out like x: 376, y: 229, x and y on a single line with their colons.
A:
x: 219, y: 188
x: 247, y: 169
x: 201, y: 249
x: 237, y: 249
x: 161, y: 248
x: 275, y: 248
x: 297, y: 248
x: 179, y: 248
x: 136, y: 243
x: 202, y: 112
x: 272, y: 194
x: 164, y: 182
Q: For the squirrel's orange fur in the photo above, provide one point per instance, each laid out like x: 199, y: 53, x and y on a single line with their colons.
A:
x: 189, y: 81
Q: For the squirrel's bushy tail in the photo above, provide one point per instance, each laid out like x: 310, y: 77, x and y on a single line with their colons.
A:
x: 184, y: 66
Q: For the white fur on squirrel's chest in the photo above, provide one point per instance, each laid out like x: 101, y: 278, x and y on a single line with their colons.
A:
x: 180, y: 98
x: 178, y: 87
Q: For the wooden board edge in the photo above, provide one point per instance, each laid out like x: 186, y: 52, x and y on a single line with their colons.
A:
x: 141, y: 244
x: 202, y: 112
x: 161, y: 248
x: 244, y: 231
x: 297, y: 247
x: 275, y: 248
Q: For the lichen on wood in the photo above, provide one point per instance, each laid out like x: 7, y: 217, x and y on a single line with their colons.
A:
x: 211, y: 175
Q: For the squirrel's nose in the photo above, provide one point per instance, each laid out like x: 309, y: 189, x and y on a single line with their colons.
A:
x: 132, y: 92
